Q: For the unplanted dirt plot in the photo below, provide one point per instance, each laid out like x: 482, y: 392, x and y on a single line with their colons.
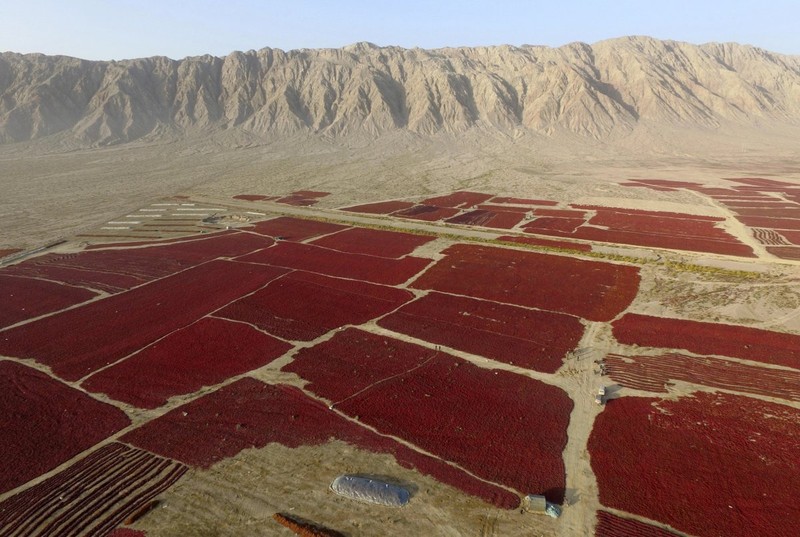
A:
x: 707, y: 465
x: 82, y: 340
x: 533, y: 339
x: 303, y: 306
x: 202, y: 354
x: 45, y: 423
x: 343, y: 265
x: 462, y: 200
x: 590, y: 289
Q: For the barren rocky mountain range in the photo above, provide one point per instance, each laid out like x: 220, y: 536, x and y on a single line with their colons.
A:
x: 603, y: 91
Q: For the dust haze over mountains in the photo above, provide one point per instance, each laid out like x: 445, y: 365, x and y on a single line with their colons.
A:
x: 602, y: 92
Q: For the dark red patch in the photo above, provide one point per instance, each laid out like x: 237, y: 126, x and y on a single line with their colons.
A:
x: 478, y: 217
x: 785, y: 252
x: 295, y: 229
x: 82, y: 340
x: 533, y: 339
x: 355, y: 266
x: 590, y: 289
x: 709, y: 339
x: 25, y: 298
x: 373, y: 242
x: 611, y: 525
x: 251, y: 414
x: 303, y: 306
x: 249, y: 197
x: 202, y: 354
x: 462, y: 200
x: 380, y: 207
x: 45, y: 423
x: 428, y: 213
x: 721, y: 455
x: 8, y: 251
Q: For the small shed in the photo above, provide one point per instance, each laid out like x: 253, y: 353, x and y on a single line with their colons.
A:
x: 534, y: 503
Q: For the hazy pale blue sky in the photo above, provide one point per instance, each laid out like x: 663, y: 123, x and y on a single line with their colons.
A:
x: 117, y: 29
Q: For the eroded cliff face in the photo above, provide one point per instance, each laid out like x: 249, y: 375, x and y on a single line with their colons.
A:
x: 598, y: 91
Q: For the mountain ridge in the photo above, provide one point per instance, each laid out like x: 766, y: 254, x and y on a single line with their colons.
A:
x: 602, y: 91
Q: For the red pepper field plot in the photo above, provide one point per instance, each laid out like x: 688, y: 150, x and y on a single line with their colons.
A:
x: 380, y: 207
x: 766, y: 204
x: 488, y: 218
x: 295, y: 229
x: 709, y: 339
x: 343, y: 265
x: 654, y: 373
x: 501, y: 426
x: 707, y: 465
x: 114, y: 270
x: 523, y: 201
x: 611, y: 525
x: 82, y: 340
x: 590, y: 289
x: 428, y: 213
x: 249, y: 413
x: 459, y: 200
x: 303, y: 306
x: 25, y: 298
x: 202, y: 354
x: 45, y: 423
x: 92, y: 496
x: 532, y: 339
x: 373, y: 242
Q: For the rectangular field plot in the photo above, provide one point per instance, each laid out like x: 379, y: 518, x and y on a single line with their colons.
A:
x: 25, y: 298
x: 461, y: 200
x: 427, y: 213
x: 295, y: 229
x: 353, y: 360
x: 303, y: 306
x: 503, y: 427
x: 376, y: 242
x: 532, y: 339
x: 487, y: 218
x: 45, y: 423
x: 343, y: 265
x: 249, y: 413
x: 654, y: 373
x: 202, y: 354
x: 114, y: 270
x: 523, y: 201
x: 721, y: 455
x: 709, y: 339
x: 590, y: 289
x: 380, y: 207
x: 80, y: 341
x: 560, y: 226
x: 91, y: 497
